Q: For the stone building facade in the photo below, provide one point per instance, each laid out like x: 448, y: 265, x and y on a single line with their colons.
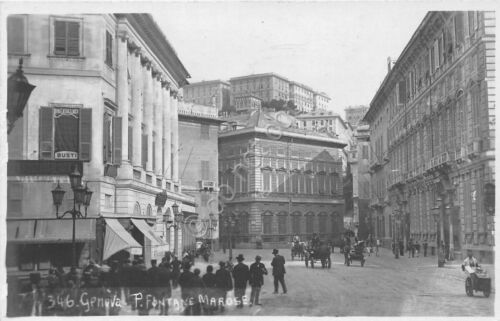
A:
x: 209, y: 93
x: 302, y: 96
x: 432, y: 127
x: 280, y: 181
x: 321, y: 101
x: 198, y: 154
x: 354, y: 114
x: 106, y: 102
x: 266, y: 86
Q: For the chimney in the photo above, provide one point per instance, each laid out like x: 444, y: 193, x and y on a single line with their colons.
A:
x: 389, y: 64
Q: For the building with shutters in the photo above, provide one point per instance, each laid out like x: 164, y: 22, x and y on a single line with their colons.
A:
x: 106, y: 101
x: 278, y: 180
x: 302, y: 96
x: 321, y: 101
x: 198, y: 154
x: 432, y: 126
x: 209, y: 93
x: 266, y: 87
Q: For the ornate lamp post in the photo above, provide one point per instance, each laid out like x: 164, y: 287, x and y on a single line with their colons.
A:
x: 438, y: 218
x: 82, y: 196
x: 18, y: 93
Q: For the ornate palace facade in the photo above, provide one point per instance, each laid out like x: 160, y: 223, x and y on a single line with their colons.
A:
x: 432, y: 135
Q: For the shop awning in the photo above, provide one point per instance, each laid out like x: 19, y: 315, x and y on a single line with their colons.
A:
x: 50, y: 230
x: 117, y: 238
x: 20, y: 231
x: 148, y: 232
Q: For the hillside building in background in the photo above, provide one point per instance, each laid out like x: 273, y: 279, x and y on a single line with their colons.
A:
x: 266, y: 87
x: 209, y: 93
x: 302, y: 96
x: 354, y: 115
x: 321, y: 101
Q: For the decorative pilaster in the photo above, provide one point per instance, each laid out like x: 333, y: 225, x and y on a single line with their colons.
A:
x: 158, y: 119
x: 122, y: 101
x: 137, y: 109
x: 175, y: 137
x: 148, y: 114
x: 167, y: 150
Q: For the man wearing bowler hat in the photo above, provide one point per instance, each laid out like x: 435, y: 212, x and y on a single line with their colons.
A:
x: 278, y: 264
x: 257, y: 271
x: 241, y: 274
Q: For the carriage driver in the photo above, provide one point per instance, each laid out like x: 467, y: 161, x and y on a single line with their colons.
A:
x: 315, y: 240
x: 470, y: 264
x: 296, y: 239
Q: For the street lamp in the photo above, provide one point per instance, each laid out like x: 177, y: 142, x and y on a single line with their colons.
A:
x: 18, y: 93
x: 161, y: 199
x: 438, y: 219
x: 82, y: 196
x: 229, y: 221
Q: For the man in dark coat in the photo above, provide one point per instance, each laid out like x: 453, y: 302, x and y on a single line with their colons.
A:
x: 425, y: 247
x: 176, y: 271
x: 241, y: 274
x: 257, y: 272
x: 152, y: 281
x: 278, y: 264
x: 186, y: 283
x: 210, y: 281
x: 164, y: 279
x: 197, y: 288
x: 223, y: 283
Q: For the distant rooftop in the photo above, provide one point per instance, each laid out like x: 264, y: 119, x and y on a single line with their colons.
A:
x: 268, y: 74
x: 207, y: 82
x: 196, y: 110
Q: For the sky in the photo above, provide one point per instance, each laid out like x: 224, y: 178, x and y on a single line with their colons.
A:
x: 338, y: 48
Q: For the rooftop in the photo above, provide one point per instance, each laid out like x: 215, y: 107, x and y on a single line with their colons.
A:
x: 208, y: 82
x: 269, y: 74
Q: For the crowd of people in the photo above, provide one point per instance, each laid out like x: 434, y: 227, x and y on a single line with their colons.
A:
x: 106, y: 290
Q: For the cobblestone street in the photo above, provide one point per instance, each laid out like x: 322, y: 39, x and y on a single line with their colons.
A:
x: 385, y: 286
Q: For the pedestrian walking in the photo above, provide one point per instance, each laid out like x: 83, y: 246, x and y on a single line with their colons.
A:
x: 425, y: 247
x: 186, y: 283
x: 153, y: 281
x: 197, y: 291
x: 417, y: 248
x: 164, y: 284
x: 278, y: 264
x: 241, y: 274
x: 223, y: 283
x: 410, y: 248
x: 401, y: 248
x: 257, y: 272
x: 377, y: 247
x: 209, y: 280
x: 176, y: 271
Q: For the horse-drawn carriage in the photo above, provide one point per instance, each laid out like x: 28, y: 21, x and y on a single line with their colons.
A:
x: 321, y: 253
x: 355, y: 253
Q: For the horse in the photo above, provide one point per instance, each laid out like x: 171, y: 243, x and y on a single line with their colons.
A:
x: 298, y: 250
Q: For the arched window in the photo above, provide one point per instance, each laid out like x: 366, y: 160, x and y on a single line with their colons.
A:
x: 149, y: 211
x: 310, y: 223
x: 322, y: 218
x: 243, y: 223
x: 137, y: 209
x: 267, y: 221
x: 282, y: 223
x: 296, y: 216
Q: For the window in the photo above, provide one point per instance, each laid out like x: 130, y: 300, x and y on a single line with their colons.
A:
x: 266, y: 178
x: 205, y: 131
x: 205, y: 170
x: 459, y: 28
x: 281, y: 182
x: 144, y: 149
x: 109, y: 49
x: 16, y: 34
x: 309, y: 224
x: 65, y: 133
x: 296, y: 224
x: 14, y: 198
x: 67, y: 38
x: 282, y: 220
x: 267, y: 221
x: 243, y: 226
x: 322, y: 224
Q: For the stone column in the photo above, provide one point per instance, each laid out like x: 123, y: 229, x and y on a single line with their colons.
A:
x: 167, y: 150
x: 175, y: 138
x: 148, y: 114
x: 137, y: 110
x: 122, y: 100
x: 158, y: 118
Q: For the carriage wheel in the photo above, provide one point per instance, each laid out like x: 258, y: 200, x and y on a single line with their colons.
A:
x: 468, y: 287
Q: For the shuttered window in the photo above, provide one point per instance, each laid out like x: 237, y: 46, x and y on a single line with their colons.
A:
x: 16, y: 28
x: 109, y: 49
x: 459, y: 28
x: 117, y: 140
x: 322, y: 223
x: 296, y: 224
x: 65, y: 133
x: 66, y: 38
x: 282, y: 221
x: 130, y: 142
